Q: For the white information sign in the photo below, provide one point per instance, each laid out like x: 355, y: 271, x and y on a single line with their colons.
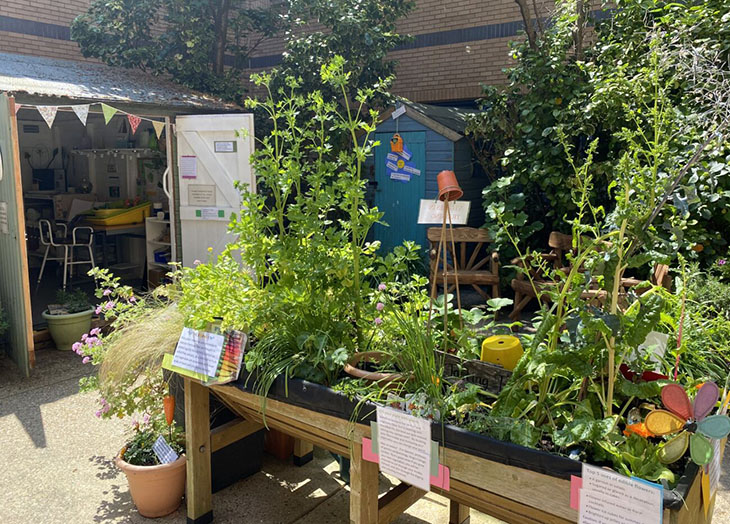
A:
x: 400, y: 110
x: 198, y: 351
x: 164, y: 452
x: 610, y: 498
x: 432, y: 212
x: 189, y: 166
x: 201, y: 195
x: 715, y: 467
x: 404, y: 446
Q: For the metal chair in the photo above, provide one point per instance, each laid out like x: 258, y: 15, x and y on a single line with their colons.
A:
x: 48, y: 239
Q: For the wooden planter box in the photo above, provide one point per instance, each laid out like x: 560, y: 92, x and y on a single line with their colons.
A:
x: 509, y: 482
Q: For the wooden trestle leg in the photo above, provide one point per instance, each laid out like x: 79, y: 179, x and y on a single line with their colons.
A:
x: 458, y: 513
x: 303, y: 452
x: 363, y: 488
x: 197, y: 439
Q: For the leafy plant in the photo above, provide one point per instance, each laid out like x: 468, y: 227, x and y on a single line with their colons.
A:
x: 139, y: 451
x: 4, y: 324
x: 71, y: 302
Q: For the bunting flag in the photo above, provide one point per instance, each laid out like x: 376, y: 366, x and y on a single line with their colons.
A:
x: 48, y: 113
x: 108, y: 111
x: 134, y: 121
x: 159, y: 126
x: 82, y: 112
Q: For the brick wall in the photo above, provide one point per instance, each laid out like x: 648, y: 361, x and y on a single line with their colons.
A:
x: 457, y: 44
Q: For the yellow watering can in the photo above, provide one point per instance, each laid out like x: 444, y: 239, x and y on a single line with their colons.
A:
x: 503, y: 350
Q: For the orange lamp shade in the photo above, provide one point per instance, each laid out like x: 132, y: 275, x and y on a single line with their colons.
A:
x: 448, y: 186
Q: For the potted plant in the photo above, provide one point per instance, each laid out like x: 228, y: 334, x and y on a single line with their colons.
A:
x: 69, y: 318
x: 131, y: 383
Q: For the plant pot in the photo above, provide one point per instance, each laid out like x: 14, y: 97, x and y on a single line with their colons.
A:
x: 371, y: 376
x: 448, y: 186
x: 67, y: 329
x: 156, y: 490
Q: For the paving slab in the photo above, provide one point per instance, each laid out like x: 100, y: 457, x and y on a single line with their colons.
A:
x: 57, y: 465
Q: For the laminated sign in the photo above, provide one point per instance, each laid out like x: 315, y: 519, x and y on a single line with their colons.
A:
x: 398, y: 161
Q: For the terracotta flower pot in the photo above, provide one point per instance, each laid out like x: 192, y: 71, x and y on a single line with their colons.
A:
x: 449, y: 186
x: 372, y: 376
x: 156, y: 490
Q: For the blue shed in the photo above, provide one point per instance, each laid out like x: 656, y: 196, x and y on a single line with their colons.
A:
x: 434, y: 136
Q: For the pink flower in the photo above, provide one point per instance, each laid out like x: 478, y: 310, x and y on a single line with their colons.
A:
x: 109, y: 305
x: 98, y: 414
x: 721, y: 262
x: 84, y: 337
x: 379, y: 306
x: 97, y: 310
x: 133, y: 299
x: 76, y: 347
x: 107, y: 292
x: 106, y: 408
x: 145, y: 418
x: 91, y: 341
x: 196, y: 262
x: 381, y: 287
x: 378, y: 321
x: 95, y: 332
x: 86, y: 360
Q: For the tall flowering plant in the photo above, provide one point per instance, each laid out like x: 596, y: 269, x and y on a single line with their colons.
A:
x: 128, y: 352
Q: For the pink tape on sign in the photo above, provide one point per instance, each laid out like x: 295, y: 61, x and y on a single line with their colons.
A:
x: 443, y: 481
x: 367, y: 451
x: 576, y: 483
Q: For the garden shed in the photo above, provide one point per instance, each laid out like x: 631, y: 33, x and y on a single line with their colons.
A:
x: 434, y: 139
x: 146, y: 166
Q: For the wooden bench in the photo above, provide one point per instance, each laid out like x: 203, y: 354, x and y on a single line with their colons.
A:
x: 475, y: 264
x: 560, y: 244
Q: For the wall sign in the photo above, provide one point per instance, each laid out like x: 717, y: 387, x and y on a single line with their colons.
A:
x: 4, y: 218
x: 201, y: 195
x: 189, y: 166
x: 227, y: 146
x: 398, y: 162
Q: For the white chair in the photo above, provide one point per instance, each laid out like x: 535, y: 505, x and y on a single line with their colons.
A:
x: 50, y: 240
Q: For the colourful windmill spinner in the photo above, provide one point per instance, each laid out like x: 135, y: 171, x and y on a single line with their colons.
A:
x: 690, y: 421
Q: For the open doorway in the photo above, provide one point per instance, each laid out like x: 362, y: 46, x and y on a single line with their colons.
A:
x: 93, y: 194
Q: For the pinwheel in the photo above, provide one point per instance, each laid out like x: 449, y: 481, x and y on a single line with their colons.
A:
x: 690, y: 422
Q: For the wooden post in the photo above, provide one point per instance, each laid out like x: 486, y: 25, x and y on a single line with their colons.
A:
x: 197, y: 441
x: 303, y: 452
x: 364, y: 488
x: 458, y: 513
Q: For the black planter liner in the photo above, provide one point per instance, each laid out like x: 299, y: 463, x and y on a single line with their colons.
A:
x: 322, y: 399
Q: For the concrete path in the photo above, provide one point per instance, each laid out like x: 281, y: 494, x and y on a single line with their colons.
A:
x: 57, y: 467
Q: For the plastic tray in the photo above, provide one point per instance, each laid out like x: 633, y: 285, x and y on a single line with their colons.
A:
x: 118, y: 217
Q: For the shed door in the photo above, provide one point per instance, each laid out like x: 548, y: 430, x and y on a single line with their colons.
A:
x: 14, y: 283
x: 400, y: 200
x: 213, y: 153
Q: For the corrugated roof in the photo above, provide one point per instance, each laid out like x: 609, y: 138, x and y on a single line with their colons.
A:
x: 89, y: 82
x: 454, y: 118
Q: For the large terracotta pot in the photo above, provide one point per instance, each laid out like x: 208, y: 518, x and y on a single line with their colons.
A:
x: 156, y: 490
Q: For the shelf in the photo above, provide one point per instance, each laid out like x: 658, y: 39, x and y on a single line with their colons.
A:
x: 157, y: 220
x: 136, y: 151
x: 159, y: 242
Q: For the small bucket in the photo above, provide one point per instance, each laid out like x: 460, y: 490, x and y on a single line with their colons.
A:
x: 449, y: 186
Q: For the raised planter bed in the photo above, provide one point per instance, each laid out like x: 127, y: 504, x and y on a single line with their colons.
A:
x: 510, y: 482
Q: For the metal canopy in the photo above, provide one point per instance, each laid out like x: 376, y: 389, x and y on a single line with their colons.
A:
x: 36, y: 78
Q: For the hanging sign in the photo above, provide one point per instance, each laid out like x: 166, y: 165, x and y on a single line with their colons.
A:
x: 398, y: 161
x: 400, y: 110
x: 432, y: 212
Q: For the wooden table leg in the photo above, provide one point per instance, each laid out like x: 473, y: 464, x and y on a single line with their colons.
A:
x: 363, y: 488
x: 303, y: 452
x: 199, y: 492
x: 458, y: 513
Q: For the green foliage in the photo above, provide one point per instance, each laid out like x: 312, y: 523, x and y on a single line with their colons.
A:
x: 138, y: 450
x: 190, y: 40
x: 653, y: 86
x: 362, y: 32
x: 73, y: 301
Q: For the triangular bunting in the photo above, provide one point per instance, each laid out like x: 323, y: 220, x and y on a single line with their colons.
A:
x: 48, y: 113
x: 159, y: 127
x: 17, y: 107
x: 134, y: 121
x: 82, y: 112
x: 108, y: 111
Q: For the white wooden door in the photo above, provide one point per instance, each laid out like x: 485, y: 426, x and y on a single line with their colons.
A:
x: 213, y: 153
